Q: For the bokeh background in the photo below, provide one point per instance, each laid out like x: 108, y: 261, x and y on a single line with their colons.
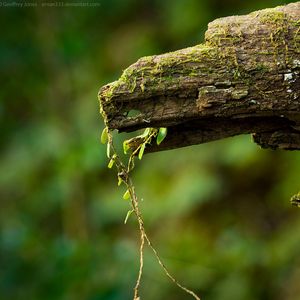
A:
x: 218, y: 213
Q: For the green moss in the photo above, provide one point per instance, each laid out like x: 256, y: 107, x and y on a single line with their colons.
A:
x: 237, y: 74
x: 223, y: 35
x: 272, y: 16
x: 160, y: 72
x: 278, y: 23
x: 263, y: 68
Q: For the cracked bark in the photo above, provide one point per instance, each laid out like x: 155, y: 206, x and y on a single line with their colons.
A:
x: 243, y: 79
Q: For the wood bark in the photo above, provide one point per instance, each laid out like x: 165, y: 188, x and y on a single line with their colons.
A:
x: 243, y: 79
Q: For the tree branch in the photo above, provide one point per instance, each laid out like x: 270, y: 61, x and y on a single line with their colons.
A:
x: 243, y: 79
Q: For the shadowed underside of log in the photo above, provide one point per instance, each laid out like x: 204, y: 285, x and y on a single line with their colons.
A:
x: 243, y: 79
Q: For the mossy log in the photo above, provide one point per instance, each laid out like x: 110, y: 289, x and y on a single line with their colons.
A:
x: 243, y: 79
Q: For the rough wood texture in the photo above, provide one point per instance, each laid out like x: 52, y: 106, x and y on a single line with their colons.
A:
x: 243, y: 79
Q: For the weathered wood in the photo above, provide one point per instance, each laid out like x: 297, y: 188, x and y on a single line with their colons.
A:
x: 243, y: 79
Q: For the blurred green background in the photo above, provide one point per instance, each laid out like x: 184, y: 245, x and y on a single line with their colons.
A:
x: 218, y: 213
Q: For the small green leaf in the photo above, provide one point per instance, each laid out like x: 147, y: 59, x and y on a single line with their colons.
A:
x: 111, y: 163
x: 128, y: 215
x: 125, y: 147
x: 141, y: 152
x: 120, y: 180
x: 104, y: 135
x: 108, y: 150
x: 126, y: 195
x: 146, y: 132
x: 162, y: 133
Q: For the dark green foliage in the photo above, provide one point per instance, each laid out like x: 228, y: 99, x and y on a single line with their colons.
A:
x: 219, y: 213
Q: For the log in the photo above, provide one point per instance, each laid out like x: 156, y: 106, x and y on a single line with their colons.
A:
x: 243, y: 79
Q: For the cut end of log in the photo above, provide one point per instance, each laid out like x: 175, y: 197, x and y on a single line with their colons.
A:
x: 243, y: 79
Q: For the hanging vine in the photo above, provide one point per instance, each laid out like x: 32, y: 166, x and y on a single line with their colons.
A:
x: 137, y: 147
